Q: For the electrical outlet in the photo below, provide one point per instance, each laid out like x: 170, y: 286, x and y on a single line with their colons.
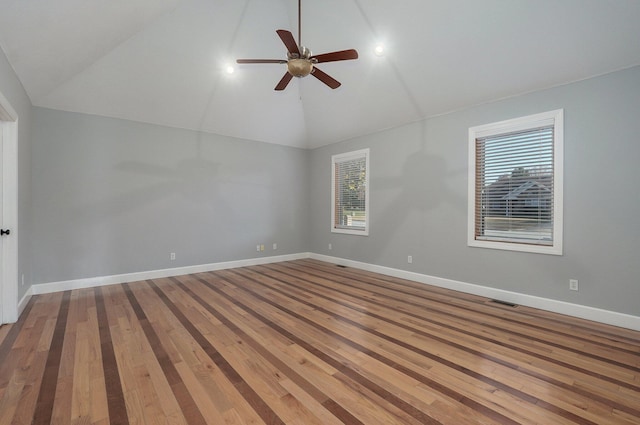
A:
x: 275, y: 246
x: 573, y: 284
x: 409, y: 259
x: 258, y: 247
x: 172, y: 256
x: 22, y: 279
x: 330, y: 247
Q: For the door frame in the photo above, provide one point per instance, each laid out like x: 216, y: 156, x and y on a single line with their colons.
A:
x: 9, y: 279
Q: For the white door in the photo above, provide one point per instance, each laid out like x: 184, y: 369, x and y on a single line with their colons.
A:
x: 8, y: 212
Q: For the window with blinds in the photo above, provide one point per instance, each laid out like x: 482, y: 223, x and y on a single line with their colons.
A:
x: 515, y: 184
x: 350, y: 193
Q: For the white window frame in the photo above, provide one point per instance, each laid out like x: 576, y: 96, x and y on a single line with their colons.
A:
x: 554, y: 118
x: 344, y: 157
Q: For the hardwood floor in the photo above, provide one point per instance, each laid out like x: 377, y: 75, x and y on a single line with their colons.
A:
x: 306, y: 342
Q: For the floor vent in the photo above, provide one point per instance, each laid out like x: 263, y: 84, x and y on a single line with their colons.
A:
x: 507, y: 303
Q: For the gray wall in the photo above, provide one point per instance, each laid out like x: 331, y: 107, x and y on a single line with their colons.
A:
x: 113, y: 196
x: 419, y: 198
x: 12, y: 89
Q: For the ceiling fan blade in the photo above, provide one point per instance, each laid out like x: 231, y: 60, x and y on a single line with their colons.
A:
x: 289, y: 41
x: 283, y: 83
x: 341, y: 55
x: 325, y: 78
x: 261, y: 61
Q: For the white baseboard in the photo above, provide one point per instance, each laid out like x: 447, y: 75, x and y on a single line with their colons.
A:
x: 590, y: 313
x: 47, y: 288
x: 25, y: 299
x: 576, y: 310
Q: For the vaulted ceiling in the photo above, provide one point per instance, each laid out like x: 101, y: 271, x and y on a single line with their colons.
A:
x: 164, y: 61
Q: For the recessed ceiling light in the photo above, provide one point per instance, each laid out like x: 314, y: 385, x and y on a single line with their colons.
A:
x: 378, y: 50
x: 230, y: 69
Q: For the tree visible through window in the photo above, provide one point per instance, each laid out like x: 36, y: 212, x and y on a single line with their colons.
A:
x: 515, y: 200
x: 350, y: 192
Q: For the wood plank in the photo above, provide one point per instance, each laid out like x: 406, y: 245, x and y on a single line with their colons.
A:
x: 116, y: 405
x: 46, y: 396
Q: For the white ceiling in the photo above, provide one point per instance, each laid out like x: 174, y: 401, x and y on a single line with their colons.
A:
x: 163, y: 61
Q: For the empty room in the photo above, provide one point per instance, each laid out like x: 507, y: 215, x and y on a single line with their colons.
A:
x: 311, y: 212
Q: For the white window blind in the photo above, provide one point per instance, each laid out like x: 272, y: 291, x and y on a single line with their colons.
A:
x: 350, y: 192
x: 515, y: 184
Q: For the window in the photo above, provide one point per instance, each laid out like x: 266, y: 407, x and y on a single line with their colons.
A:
x: 515, y: 184
x: 350, y: 193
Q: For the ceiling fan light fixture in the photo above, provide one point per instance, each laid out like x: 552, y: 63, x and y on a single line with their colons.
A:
x: 299, y: 67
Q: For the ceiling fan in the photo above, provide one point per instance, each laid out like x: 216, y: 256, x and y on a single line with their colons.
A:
x: 301, y: 62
